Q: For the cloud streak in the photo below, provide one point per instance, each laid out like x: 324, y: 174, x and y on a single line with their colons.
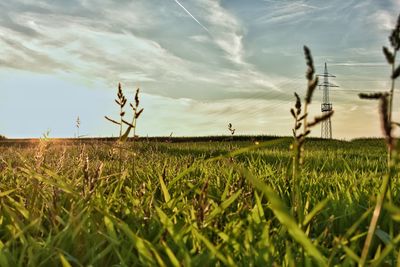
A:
x: 359, y: 64
x: 190, y: 14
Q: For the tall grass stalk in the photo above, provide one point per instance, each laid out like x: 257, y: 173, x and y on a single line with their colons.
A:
x: 300, y: 119
x: 390, y: 56
x: 78, y: 125
x: 133, y: 125
x: 386, y: 111
x: 121, y: 102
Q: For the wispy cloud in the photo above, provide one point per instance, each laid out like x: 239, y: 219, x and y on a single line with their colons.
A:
x: 22, y: 57
x: 285, y: 12
x: 359, y: 64
x: 384, y: 19
x: 98, y: 49
x: 200, y: 38
x: 226, y: 30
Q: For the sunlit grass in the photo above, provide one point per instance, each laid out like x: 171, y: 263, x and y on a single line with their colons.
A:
x: 186, y: 205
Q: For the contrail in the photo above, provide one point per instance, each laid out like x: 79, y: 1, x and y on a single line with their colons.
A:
x: 198, y: 22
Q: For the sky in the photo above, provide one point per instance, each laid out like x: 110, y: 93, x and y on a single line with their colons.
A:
x: 200, y: 64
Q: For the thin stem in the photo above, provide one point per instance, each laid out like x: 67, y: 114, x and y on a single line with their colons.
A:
x: 387, y: 183
x: 133, y: 145
x: 120, y: 135
x: 390, y: 146
x: 305, y: 118
x: 297, y: 145
x: 295, y: 167
x: 120, y: 127
x: 391, y: 96
x: 376, y: 215
x: 300, y: 211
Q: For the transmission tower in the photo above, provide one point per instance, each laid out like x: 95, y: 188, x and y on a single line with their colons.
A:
x: 326, y: 106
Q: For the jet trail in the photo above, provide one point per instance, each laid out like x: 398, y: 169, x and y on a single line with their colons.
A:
x: 198, y: 22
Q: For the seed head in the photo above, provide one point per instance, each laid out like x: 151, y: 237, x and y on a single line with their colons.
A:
x: 310, y: 90
x: 138, y: 113
x: 137, y: 97
x: 309, y: 62
x: 123, y: 101
x: 293, y: 113
x: 298, y: 103
x: 386, y: 124
x: 120, y: 94
x: 394, y: 38
x: 388, y: 55
x: 312, y: 82
x: 396, y: 73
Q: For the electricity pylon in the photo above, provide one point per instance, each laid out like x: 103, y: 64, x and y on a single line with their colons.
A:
x: 326, y: 106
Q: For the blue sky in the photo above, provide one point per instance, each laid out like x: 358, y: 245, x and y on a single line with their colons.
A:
x: 199, y: 63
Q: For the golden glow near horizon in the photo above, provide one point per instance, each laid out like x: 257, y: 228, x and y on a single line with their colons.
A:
x: 200, y: 64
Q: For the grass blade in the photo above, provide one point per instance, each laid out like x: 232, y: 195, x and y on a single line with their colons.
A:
x: 283, y: 215
x: 320, y: 206
x: 64, y: 261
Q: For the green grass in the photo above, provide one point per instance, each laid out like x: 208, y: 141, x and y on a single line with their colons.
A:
x: 191, y: 204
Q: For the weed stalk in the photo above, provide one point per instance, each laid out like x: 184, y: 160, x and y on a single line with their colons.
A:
x: 300, y: 119
x: 136, y: 114
x: 121, y: 101
x: 386, y: 111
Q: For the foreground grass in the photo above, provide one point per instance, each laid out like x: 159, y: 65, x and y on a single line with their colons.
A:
x: 185, y: 204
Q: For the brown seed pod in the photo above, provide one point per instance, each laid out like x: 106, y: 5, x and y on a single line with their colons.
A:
x: 293, y: 113
x: 395, y: 36
x: 386, y: 125
x: 298, y: 103
x: 310, y: 90
x: 138, y: 114
x: 309, y: 62
x: 137, y: 97
x: 388, y: 55
x: 396, y: 73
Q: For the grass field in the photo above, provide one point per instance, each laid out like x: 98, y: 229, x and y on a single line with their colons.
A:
x: 192, y: 204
